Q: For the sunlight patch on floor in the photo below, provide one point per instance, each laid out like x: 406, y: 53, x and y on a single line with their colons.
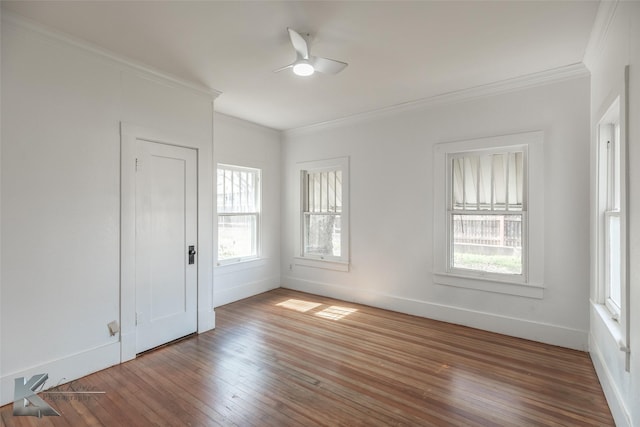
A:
x: 298, y: 305
x: 336, y: 313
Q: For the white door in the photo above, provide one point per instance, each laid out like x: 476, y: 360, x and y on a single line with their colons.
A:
x: 166, y: 241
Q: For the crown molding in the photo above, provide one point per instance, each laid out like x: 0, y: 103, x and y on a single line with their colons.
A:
x: 569, y: 72
x: 13, y: 19
x: 600, y: 30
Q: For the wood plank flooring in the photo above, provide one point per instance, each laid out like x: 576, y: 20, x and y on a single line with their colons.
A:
x: 286, y: 358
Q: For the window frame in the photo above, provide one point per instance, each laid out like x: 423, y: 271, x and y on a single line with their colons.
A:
x: 257, y: 214
x: 339, y: 263
x: 611, y: 191
x: 530, y: 282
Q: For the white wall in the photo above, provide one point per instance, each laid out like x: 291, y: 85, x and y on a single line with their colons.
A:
x: 392, y: 210
x: 61, y: 108
x: 615, y: 45
x: 241, y: 143
x: 62, y: 105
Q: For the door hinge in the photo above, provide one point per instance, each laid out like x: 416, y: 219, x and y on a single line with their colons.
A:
x: 136, y: 318
x: 137, y: 164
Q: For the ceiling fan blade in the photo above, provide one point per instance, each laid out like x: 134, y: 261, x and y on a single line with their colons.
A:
x: 283, y: 68
x: 299, y: 44
x: 326, y: 65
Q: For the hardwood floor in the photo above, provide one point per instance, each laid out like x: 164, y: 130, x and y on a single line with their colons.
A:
x: 288, y: 358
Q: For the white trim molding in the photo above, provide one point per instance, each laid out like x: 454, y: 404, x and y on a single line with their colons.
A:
x: 612, y: 111
x: 495, y: 286
x: 506, y: 325
x: 600, y: 30
x: 604, y: 354
x: 65, y: 369
x: 556, y: 75
x: 146, y: 70
x: 323, y: 264
x: 245, y: 290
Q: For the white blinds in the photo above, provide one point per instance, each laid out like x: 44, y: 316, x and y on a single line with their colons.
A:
x: 490, y: 182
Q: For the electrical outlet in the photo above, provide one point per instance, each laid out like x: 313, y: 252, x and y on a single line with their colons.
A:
x: 114, y: 328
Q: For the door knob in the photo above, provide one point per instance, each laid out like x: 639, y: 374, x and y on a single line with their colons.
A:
x: 192, y: 254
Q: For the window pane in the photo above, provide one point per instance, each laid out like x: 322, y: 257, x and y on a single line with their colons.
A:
x: 324, y: 182
x: 220, y: 189
x: 613, y: 259
x: 471, y: 182
x: 237, y: 190
x: 323, y: 192
x: 613, y: 153
x: 228, y: 191
x: 331, y: 191
x: 243, y: 194
x: 236, y: 196
x: 515, y: 181
x: 485, y: 165
x: 237, y: 236
x: 309, y: 192
x: 500, y: 181
x: 458, y: 183
x: 251, y: 192
x: 488, y: 181
x: 338, y: 191
x: 489, y: 243
x: 322, y: 235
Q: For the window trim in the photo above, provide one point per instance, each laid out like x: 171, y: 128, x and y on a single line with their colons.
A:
x: 257, y: 214
x: 531, y: 283
x: 610, y: 172
x: 615, y: 115
x: 342, y: 262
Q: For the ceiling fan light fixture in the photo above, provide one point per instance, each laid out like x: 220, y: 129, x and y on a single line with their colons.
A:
x: 305, y: 64
x: 303, y: 69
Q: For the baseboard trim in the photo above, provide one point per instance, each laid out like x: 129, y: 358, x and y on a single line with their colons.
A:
x: 520, y: 328
x: 64, y: 370
x: 245, y: 290
x: 611, y: 392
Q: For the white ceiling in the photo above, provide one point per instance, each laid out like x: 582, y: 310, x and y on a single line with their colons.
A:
x: 397, y: 51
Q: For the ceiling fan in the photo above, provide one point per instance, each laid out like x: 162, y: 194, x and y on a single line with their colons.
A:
x: 305, y: 64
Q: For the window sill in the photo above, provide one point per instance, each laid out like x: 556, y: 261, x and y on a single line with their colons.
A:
x: 245, y: 264
x: 489, y: 285
x: 612, y: 325
x: 321, y: 263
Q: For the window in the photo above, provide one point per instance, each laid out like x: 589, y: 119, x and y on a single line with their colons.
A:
x: 238, y: 193
x: 611, y: 141
x: 487, y: 211
x: 610, y: 195
x: 488, y: 214
x: 324, y: 211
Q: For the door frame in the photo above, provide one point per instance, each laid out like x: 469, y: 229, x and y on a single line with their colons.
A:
x: 129, y: 134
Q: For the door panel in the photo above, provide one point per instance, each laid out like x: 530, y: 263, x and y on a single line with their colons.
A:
x: 166, y: 225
